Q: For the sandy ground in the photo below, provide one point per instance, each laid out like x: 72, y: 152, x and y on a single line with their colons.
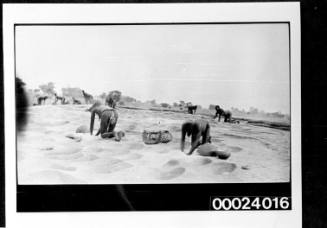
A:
x: 46, y: 156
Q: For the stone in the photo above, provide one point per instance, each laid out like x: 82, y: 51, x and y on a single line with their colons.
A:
x: 83, y: 129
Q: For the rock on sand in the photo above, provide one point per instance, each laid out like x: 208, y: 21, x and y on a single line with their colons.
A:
x: 74, y: 137
x: 211, y: 150
x: 83, y: 129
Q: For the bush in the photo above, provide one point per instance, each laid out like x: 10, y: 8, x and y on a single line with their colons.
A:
x: 165, y: 105
x: 48, y: 88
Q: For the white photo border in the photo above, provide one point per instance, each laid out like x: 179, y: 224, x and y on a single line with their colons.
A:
x: 152, y: 13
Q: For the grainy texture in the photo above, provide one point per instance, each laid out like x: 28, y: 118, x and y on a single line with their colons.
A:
x: 50, y: 152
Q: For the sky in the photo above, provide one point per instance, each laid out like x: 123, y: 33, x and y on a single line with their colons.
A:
x: 232, y: 65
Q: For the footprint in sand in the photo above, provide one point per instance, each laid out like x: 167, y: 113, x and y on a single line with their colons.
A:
x: 61, y: 151
x: 111, y: 166
x: 72, y: 156
x: 216, y: 140
x: 171, y: 163
x: 245, y: 167
x: 136, y: 146
x: 90, y: 157
x: 47, y: 148
x: 56, y: 123
x: 202, y: 161
x: 51, y: 177
x: 224, y: 167
x: 171, y: 170
x: 234, y: 149
x: 131, y: 128
x: 134, y: 156
x: 175, y: 129
x: 98, y: 150
x: 64, y: 168
x: 176, y: 172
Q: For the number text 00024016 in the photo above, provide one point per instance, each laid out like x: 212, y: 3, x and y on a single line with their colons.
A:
x: 250, y: 203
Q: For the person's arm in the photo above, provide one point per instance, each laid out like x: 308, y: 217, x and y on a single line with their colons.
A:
x: 184, y: 129
x: 195, y: 141
x: 92, y: 122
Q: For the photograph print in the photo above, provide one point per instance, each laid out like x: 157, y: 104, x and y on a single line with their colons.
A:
x: 160, y: 103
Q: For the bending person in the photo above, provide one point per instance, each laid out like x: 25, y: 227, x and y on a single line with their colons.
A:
x: 108, y: 120
x: 196, y: 129
x: 219, y: 112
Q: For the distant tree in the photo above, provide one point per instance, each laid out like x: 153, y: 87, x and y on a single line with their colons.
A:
x: 253, y: 110
x: 277, y: 114
x: 189, y: 104
x: 128, y: 99
x: 72, y: 92
x: 48, y: 88
x: 175, y: 104
x: 153, y: 102
x: 115, y: 95
x: 165, y: 105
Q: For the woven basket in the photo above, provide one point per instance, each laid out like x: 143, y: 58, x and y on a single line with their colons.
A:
x: 155, y: 137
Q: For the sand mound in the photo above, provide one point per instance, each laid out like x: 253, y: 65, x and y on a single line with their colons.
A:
x: 202, y: 161
x: 83, y: 129
x: 133, y: 156
x: 176, y: 172
x: 211, y: 150
x: 223, y: 168
x: 64, y: 168
x: 112, y: 165
x: 172, y: 162
x: 234, y: 148
x: 89, y: 157
x: 76, y: 138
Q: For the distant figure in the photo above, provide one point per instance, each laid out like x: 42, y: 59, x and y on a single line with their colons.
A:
x: 41, y: 99
x: 88, y: 97
x: 75, y: 101
x: 108, y: 117
x: 227, y: 116
x: 192, y: 109
x: 219, y: 112
x: 57, y: 98
x: 112, y: 98
x: 196, y: 129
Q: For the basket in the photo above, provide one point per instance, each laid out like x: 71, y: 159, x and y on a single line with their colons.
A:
x: 155, y: 137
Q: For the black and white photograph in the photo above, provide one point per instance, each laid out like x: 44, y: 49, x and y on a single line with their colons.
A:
x: 154, y: 112
x: 154, y: 103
